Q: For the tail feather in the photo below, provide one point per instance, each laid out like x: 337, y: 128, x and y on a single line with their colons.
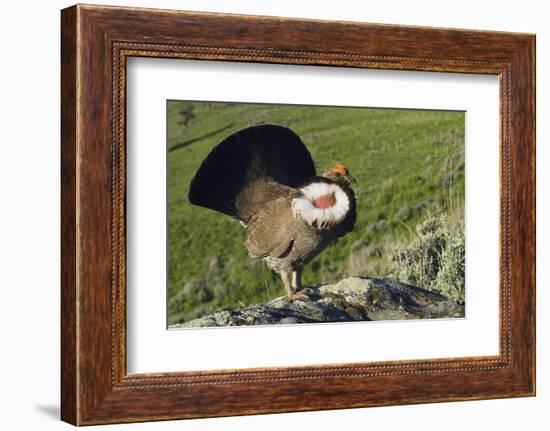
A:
x: 259, y: 152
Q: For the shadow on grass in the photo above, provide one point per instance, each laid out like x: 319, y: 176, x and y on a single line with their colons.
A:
x: 200, y: 138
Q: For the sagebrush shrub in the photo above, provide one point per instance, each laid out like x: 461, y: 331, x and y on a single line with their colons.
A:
x: 434, y: 257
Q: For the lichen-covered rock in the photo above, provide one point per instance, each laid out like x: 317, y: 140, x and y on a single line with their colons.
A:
x: 351, y: 299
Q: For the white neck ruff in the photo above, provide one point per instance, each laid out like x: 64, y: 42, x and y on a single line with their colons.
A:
x: 321, y: 218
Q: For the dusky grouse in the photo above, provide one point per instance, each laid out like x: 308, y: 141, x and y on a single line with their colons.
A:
x: 264, y: 177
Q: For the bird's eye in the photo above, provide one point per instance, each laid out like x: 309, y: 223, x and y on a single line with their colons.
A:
x: 338, y: 174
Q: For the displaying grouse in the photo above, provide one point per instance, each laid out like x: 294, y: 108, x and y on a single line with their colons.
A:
x: 264, y: 177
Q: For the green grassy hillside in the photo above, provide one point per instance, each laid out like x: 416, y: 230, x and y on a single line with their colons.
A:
x: 406, y: 162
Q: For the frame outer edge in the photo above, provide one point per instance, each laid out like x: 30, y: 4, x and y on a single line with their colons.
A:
x: 523, y: 217
x: 531, y: 126
x: 529, y: 62
x: 88, y: 397
x: 69, y: 201
x: 533, y: 55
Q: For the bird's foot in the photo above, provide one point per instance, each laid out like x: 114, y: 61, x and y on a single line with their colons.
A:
x: 299, y: 297
x: 303, y: 294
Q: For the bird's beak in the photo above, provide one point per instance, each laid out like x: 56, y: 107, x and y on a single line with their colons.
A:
x: 350, y: 179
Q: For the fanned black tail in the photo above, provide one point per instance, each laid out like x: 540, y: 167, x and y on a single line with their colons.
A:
x: 266, y: 151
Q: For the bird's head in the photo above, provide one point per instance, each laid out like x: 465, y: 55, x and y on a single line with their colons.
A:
x: 339, y: 174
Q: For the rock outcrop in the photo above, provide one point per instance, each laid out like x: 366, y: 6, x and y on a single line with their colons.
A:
x: 351, y: 299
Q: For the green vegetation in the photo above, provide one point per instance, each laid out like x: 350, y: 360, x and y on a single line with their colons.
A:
x: 433, y: 257
x: 407, y: 163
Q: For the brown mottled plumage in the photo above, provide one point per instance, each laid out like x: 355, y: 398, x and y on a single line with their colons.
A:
x: 264, y: 176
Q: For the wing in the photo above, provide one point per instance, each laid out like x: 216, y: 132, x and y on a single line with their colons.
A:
x: 263, y: 196
x: 270, y: 232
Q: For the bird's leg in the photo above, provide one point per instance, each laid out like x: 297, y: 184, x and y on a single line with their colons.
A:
x: 297, y: 280
x: 299, y: 291
x: 287, y: 284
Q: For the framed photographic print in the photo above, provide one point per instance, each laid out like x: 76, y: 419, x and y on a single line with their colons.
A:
x: 265, y: 215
